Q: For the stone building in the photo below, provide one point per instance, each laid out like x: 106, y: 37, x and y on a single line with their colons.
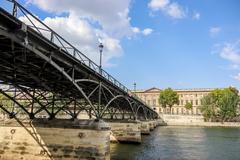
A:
x: 194, y: 96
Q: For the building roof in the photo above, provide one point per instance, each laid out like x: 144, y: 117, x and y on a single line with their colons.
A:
x: 155, y: 89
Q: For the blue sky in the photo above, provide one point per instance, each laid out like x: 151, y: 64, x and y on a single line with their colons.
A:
x: 179, y: 53
x: 155, y: 43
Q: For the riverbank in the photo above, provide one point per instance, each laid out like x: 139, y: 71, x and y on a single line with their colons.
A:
x: 194, y: 120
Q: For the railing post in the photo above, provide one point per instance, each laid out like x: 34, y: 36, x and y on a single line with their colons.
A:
x: 52, y: 38
x: 14, y: 11
x: 74, y: 52
x: 100, y: 70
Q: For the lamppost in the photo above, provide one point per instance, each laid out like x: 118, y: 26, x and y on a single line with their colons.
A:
x: 100, y: 46
x: 100, y: 50
x: 134, y: 85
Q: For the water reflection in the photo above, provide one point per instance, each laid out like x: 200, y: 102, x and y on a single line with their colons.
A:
x: 180, y: 143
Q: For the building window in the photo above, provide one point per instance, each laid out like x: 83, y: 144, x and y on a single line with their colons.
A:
x: 191, y: 102
x: 154, y: 102
x: 195, y: 95
x: 148, y: 102
x: 196, y: 102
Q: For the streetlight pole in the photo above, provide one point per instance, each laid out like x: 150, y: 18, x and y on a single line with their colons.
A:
x: 100, y: 63
x: 100, y: 83
x: 134, y: 84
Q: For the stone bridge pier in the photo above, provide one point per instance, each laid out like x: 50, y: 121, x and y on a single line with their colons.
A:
x: 131, y: 131
x: 125, y: 131
x: 42, y: 139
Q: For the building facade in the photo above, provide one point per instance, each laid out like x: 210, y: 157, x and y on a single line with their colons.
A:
x: 193, y: 96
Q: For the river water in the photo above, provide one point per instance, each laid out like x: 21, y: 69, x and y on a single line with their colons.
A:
x: 183, y: 143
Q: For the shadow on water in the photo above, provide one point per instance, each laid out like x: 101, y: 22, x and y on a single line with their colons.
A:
x: 183, y: 143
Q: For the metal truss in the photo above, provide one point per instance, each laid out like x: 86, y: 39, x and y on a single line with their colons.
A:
x: 45, y: 76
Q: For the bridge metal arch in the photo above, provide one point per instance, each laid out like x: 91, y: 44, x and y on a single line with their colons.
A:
x: 147, y: 113
x: 139, y: 108
x: 51, y: 62
x: 36, y: 102
x: 115, y: 98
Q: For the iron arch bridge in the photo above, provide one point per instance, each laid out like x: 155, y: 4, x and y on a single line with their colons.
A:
x: 45, y: 73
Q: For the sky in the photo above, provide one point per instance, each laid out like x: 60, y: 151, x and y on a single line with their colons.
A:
x: 153, y: 43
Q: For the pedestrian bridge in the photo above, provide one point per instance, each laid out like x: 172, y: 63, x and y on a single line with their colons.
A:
x: 50, y: 84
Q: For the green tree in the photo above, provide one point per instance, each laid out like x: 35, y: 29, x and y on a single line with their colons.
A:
x: 228, y: 104
x: 5, y: 102
x: 168, y: 98
x: 188, y: 106
x: 208, y: 108
x: 221, y: 104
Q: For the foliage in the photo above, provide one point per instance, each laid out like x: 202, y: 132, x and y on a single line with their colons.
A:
x: 208, y: 107
x: 188, y: 106
x: 168, y: 98
x: 5, y: 102
x: 220, y: 104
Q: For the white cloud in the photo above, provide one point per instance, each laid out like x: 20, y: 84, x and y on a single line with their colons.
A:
x: 237, y: 77
x: 83, y: 23
x: 214, y: 31
x: 171, y: 9
x: 196, y: 16
x: 111, y: 15
x: 231, y: 52
x: 175, y: 11
x: 136, y: 30
x: 82, y: 36
x: 147, y: 31
x: 158, y: 4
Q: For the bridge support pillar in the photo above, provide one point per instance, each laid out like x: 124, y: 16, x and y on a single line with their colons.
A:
x: 125, y: 131
x: 151, y: 125
x: 145, y: 129
x: 56, y: 139
x: 160, y: 122
x: 154, y: 123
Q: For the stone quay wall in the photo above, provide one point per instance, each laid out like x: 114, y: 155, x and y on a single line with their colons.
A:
x: 194, y: 120
x: 55, y: 139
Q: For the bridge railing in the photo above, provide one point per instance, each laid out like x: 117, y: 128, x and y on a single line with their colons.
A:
x: 33, y: 22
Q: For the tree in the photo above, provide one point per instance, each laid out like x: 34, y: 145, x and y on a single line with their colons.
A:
x: 188, y: 106
x: 208, y: 108
x: 221, y: 104
x: 168, y: 98
x: 5, y: 102
x: 228, y: 104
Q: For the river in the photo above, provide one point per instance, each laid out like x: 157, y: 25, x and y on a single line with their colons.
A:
x: 183, y: 143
